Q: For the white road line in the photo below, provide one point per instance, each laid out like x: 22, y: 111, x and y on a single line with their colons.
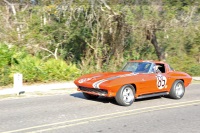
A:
x: 75, y: 122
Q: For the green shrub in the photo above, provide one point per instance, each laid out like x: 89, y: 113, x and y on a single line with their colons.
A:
x: 56, y: 70
x: 194, y: 69
x: 30, y: 67
x: 5, y: 77
x: 185, y: 64
x: 5, y: 55
x: 5, y: 61
x: 36, y: 70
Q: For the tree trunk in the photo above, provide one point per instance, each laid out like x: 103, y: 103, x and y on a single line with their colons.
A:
x: 159, y: 52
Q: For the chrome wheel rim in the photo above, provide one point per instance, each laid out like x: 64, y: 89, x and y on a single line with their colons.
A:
x: 179, y: 90
x: 128, y: 95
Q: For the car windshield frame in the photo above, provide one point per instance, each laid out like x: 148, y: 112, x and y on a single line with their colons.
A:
x: 138, y: 67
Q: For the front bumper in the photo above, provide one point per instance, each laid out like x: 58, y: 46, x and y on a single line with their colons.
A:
x: 93, y: 91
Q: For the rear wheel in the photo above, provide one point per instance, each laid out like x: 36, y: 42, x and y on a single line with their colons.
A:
x: 178, y: 89
x: 89, y: 96
x: 126, y: 95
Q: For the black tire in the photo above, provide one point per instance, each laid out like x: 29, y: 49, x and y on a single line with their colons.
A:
x: 126, y: 95
x: 89, y: 96
x: 178, y: 89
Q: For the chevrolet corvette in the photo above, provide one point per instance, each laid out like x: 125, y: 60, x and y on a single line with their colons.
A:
x: 138, y: 79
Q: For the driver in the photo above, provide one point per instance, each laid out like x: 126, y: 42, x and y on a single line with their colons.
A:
x: 156, y: 69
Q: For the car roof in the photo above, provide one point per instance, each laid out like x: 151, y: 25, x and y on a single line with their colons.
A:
x: 152, y: 61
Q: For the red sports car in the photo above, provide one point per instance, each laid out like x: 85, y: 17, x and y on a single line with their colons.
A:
x: 138, y: 79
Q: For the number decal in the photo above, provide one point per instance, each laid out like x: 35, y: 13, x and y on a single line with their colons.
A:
x: 161, y: 81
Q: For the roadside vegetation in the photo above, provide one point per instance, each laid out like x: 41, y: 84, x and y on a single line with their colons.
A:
x: 56, y: 40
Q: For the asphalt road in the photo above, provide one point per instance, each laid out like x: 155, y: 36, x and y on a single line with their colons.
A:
x: 71, y: 113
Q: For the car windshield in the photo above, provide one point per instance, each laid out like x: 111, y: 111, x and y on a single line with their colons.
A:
x: 138, y: 67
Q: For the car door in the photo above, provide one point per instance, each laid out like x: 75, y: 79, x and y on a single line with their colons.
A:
x: 157, y: 82
x: 150, y: 83
x: 154, y: 82
x: 160, y: 78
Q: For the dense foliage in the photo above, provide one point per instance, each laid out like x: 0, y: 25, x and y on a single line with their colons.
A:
x: 33, y: 68
x: 53, y: 40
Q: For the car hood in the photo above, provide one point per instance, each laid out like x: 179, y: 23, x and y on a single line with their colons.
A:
x: 94, y: 80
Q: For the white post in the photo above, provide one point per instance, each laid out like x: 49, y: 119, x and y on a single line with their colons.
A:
x: 18, y: 83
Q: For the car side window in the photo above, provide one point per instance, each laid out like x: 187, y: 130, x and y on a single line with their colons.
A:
x: 161, y: 68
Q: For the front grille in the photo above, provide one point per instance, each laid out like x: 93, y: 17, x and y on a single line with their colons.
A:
x: 93, y: 90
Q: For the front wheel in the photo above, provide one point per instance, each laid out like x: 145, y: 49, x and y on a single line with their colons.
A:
x: 178, y: 89
x: 126, y: 95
